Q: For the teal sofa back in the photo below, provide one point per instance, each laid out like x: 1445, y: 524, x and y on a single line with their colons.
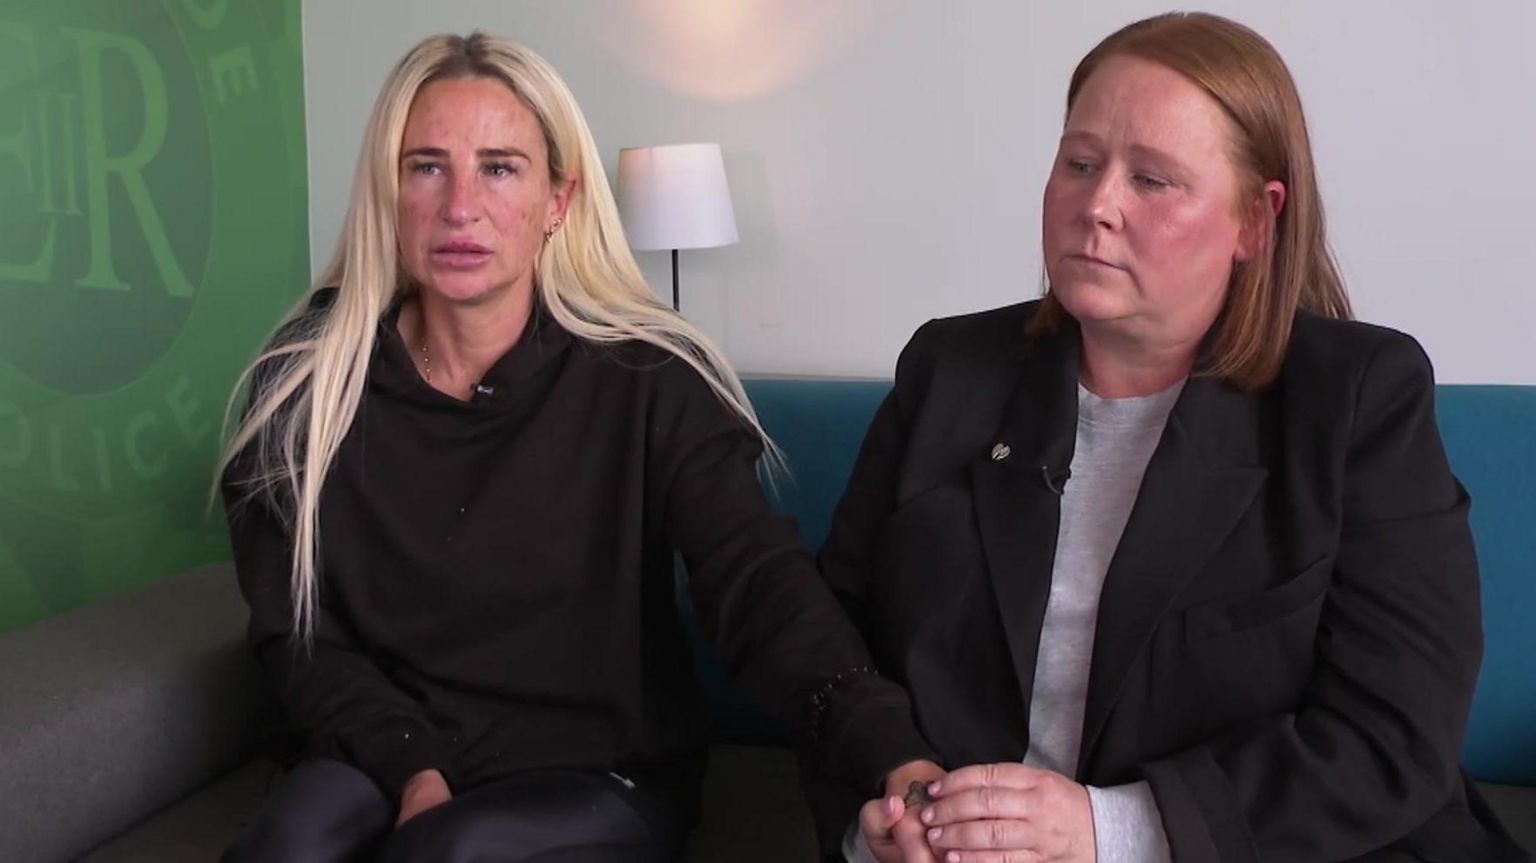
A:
x: 1490, y: 434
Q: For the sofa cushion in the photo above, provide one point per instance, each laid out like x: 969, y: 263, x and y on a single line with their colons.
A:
x: 819, y: 424
x: 1516, y: 808
x: 115, y: 710
x: 199, y: 827
x: 1490, y: 436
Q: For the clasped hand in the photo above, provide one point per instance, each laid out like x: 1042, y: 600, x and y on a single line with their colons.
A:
x: 985, y: 813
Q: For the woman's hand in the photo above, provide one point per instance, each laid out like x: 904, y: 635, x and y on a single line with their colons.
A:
x: 422, y: 792
x: 890, y: 828
x: 1009, y: 813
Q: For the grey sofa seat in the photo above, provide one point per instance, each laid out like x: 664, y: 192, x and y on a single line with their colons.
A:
x: 198, y: 827
x: 115, y: 711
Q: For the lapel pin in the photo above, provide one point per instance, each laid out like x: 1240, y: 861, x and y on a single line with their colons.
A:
x: 1000, y: 452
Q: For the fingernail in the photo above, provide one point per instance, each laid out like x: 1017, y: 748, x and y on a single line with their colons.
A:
x: 952, y: 857
x: 935, y: 788
x: 927, y: 815
x: 935, y: 833
x: 890, y: 805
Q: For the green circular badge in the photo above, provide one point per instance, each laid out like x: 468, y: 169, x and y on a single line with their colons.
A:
x: 152, y: 229
x: 149, y: 226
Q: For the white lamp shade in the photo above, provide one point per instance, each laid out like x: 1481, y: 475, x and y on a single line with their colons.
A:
x: 675, y: 197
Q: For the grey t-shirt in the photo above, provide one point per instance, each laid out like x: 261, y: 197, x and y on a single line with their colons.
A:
x: 1115, y: 441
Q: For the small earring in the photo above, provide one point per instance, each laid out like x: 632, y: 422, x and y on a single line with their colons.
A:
x: 554, y: 226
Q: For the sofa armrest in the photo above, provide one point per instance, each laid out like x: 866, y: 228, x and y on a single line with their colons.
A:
x: 113, y: 711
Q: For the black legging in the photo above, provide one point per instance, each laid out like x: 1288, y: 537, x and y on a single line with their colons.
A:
x: 330, y: 812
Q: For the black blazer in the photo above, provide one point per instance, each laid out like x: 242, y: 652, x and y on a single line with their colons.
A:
x: 1289, y: 632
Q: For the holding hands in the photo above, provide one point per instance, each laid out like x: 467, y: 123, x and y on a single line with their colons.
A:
x: 986, y: 813
x: 890, y: 826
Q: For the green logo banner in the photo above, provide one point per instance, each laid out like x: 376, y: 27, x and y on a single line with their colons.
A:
x: 152, y: 228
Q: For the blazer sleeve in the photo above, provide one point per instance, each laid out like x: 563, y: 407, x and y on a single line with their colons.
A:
x: 870, y: 497
x: 1372, y: 750
x: 845, y: 564
x: 757, y: 595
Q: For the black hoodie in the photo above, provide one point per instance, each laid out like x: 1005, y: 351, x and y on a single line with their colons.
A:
x: 497, y: 578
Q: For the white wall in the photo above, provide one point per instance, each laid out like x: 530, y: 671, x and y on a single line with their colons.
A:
x: 887, y: 156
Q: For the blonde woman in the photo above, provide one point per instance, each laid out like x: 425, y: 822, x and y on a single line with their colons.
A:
x: 455, y: 496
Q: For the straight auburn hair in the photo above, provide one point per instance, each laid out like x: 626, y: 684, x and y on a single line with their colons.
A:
x: 1294, y: 268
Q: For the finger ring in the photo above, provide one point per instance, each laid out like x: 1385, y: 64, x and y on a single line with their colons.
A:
x: 917, y: 794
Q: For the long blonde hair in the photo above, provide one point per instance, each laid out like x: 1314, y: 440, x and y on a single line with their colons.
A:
x: 311, y: 378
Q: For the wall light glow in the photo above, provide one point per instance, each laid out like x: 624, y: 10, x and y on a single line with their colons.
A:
x: 732, y: 50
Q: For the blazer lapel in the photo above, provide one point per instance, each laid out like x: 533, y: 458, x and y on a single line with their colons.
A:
x: 1016, y: 511
x: 1199, y: 482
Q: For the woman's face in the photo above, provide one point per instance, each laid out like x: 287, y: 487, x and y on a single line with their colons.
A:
x: 475, y: 192
x: 1141, y: 220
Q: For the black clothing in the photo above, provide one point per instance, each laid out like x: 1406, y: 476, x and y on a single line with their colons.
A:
x: 1288, y: 634
x: 498, y: 588
x: 329, y: 812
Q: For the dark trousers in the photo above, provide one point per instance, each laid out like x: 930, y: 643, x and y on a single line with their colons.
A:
x: 329, y: 812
